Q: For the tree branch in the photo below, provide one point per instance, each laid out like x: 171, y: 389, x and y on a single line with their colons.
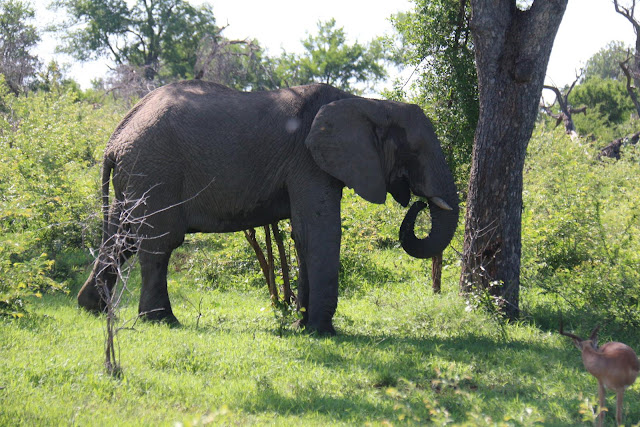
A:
x: 631, y: 90
x: 566, y: 110
x: 628, y: 14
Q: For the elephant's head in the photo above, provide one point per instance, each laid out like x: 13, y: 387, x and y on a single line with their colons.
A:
x: 376, y: 147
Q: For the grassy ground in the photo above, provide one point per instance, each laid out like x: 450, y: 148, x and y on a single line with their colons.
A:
x: 402, y: 356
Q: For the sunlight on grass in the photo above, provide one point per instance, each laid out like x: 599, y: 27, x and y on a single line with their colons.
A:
x: 402, y: 356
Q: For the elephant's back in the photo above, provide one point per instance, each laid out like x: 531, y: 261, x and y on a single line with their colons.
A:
x: 200, y: 129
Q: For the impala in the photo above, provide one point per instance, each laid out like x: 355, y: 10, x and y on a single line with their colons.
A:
x: 615, y: 365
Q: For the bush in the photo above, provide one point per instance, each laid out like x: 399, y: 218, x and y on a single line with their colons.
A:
x: 50, y: 146
x: 22, y: 275
x: 609, y: 109
x: 581, y: 226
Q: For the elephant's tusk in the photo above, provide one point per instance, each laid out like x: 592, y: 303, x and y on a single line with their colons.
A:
x: 441, y: 203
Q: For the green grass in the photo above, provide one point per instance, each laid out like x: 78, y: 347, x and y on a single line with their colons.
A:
x: 402, y: 356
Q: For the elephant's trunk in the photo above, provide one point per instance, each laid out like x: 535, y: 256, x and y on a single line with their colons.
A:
x: 443, y: 226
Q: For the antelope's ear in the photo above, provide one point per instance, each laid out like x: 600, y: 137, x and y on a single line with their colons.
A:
x: 594, y: 335
x: 342, y: 141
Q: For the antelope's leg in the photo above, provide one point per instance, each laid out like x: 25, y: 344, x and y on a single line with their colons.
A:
x: 619, y: 398
x: 601, y: 409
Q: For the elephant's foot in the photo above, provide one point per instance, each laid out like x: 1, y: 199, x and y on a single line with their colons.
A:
x: 160, y: 316
x: 320, y: 328
x: 90, y: 299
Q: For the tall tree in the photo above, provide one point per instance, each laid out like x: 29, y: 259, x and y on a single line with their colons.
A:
x: 605, y: 63
x: 436, y: 40
x: 328, y: 58
x: 17, y: 38
x: 512, y: 44
x: 160, y: 35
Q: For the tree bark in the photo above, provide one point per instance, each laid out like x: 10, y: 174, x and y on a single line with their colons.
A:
x: 436, y: 273
x: 631, y: 89
x: 271, y: 278
x: 284, y: 263
x: 250, y: 235
x: 512, y: 52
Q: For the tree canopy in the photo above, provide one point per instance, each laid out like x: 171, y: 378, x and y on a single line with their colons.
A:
x: 160, y: 35
x: 605, y: 63
x: 173, y: 39
x: 17, y: 38
x: 435, y: 38
x: 328, y: 58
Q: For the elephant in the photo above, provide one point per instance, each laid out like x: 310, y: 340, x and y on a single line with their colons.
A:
x: 195, y: 156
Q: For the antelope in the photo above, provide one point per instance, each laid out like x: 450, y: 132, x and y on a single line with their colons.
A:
x: 615, y: 365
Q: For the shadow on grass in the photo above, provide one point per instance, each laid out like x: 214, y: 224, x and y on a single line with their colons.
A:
x: 504, y: 370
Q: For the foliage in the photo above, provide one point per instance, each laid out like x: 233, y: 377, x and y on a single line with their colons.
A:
x: 161, y: 35
x: 605, y: 64
x: 436, y: 40
x: 581, y: 227
x: 17, y: 38
x: 168, y: 39
x: 22, y: 275
x: 52, y: 78
x: 50, y: 144
x: 608, y: 107
x: 328, y: 58
x: 240, y: 64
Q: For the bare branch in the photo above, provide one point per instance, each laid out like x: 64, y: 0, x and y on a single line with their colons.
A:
x: 566, y: 110
x: 631, y: 89
x: 628, y: 13
x: 250, y: 235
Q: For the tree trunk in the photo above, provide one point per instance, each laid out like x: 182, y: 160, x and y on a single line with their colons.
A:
x: 436, y: 273
x: 284, y: 263
x: 512, y: 53
x: 271, y: 274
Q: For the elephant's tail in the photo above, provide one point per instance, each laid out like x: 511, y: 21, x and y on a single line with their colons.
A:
x: 107, y: 167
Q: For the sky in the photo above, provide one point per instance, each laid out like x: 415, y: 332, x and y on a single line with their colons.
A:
x: 587, y: 26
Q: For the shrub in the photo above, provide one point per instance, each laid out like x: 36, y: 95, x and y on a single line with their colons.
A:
x: 581, y: 226
x: 50, y: 144
x: 609, y: 109
x: 22, y: 275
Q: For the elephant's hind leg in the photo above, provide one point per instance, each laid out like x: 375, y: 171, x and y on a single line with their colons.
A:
x: 154, y: 297
x: 104, y: 275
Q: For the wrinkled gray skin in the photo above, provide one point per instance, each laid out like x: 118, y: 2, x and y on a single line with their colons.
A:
x: 211, y: 159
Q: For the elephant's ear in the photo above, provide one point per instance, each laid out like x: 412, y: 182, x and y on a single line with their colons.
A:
x: 342, y: 141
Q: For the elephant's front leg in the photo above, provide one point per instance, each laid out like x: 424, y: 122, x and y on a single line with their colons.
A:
x: 317, y: 231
